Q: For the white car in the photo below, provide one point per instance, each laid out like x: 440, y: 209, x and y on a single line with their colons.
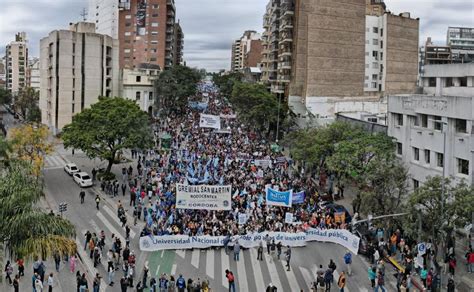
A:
x: 83, y: 179
x: 71, y: 168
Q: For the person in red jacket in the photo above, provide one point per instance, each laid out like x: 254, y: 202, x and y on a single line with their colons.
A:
x: 470, y: 261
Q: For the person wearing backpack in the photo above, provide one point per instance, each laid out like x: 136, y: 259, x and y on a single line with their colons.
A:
x: 181, y: 283
x: 348, y: 262
x: 328, y: 279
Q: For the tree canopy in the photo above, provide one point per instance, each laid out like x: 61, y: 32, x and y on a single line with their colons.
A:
x: 226, y: 82
x: 175, y: 85
x: 5, y: 96
x: 110, y: 125
x: 27, y: 104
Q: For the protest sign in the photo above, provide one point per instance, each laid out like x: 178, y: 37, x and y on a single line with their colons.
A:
x: 298, y: 198
x: 277, y: 198
x: 210, y: 121
x: 263, y: 163
x: 203, y: 197
x: 288, y: 217
x: 242, y: 218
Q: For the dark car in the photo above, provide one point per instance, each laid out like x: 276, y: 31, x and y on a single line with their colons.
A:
x: 362, y: 231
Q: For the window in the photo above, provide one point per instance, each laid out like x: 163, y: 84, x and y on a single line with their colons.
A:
x: 127, y: 33
x: 424, y: 121
x: 416, y: 154
x: 73, y: 61
x: 73, y: 71
x: 374, y: 76
x: 416, y: 184
x: 381, y: 56
x: 414, y: 121
x: 375, y: 65
x: 463, y: 166
x: 381, y: 44
x: 154, y: 42
x: 155, y: 6
x: 374, y: 85
x: 375, y: 42
x: 152, y: 59
x: 154, y: 32
x: 375, y: 29
x: 154, y: 24
x: 375, y: 54
x: 432, y: 82
x: 439, y: 159
x: 150, y: 95
x: 154, y: 15
x: 399, y: 148
x: 397, y: 119
x: 461, y: 126
x: 137, y: 96
x: 126, y: 51
x: 73, y: 48
x: 427, y: 156
x: 128, y: 16
x: 127, y: 24
x: 463, y: 81
x: 437, y: 124
x: 73, y: 82
x: 381, y: 32
x: 73, y: 107
x: 138, y: 78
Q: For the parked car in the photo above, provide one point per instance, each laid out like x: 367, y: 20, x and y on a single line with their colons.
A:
x: 71, y: 168
x: 335, y: 208
x: 83, y: 179
x: 362, y: 231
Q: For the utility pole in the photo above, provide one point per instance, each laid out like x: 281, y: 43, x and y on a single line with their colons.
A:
x: 84, y: 14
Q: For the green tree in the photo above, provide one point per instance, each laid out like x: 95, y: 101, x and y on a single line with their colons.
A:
x: 174, y: 86
x: 5, y: 151
x: 5, y: 96
x: 110, y: 125
x: 26, y: 101
x: 440, y: 212
x: 226, y: 82
x: 26, y: 231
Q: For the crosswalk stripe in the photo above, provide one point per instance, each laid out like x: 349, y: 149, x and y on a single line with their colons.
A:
x: 225, y: 265
x: 292, y: 279
x: 116, y: 219
x: 336, y: 278
x: 87, y: 262
x: 210, y: 263
x: 173, y: 270
x: 110, y: 227
x: 257, y: 270
x: 273, y: 271
x: 181, y: 253
x: 307, y: 276
x: 157, y: 270
x: 195, y: 257
x: 241, y: 274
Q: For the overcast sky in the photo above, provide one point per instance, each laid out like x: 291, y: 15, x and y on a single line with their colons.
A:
x: 210, y: 26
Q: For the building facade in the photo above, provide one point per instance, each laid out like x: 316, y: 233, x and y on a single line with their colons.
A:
x: 179, y: 44
x: 34, y: 74
x: 76, y: 67
x: 461, y: 41
x: 435, y: 130
x: 147, y: 33
x: 105, y: 15
x: 246, y: 51
x: 138, y: 85
x: 16, y: 63
x: 277, y: 45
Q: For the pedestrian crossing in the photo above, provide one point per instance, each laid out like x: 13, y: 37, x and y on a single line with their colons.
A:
x: 54, y: 162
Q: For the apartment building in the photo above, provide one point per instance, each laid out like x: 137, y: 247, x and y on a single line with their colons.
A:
x: 391, y: 52
x: 147, y: 33
x: 246, y: 51
x: 435, y: 130
x: 179, y: 44
x: 105, y: 15
x: 461, y: 41
x: 138, y: 85
x: 16, y: 63
x: 76, y: 67
x: 277, y: 42
x: 34, y: 74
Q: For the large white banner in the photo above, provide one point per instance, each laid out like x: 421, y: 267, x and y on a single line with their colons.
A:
x: 203, y: 197
x: 338, y: 236
x: 210, y: 121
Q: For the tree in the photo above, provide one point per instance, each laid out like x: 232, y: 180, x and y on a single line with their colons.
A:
x: 439, y: 213
x: 174, y: 86
x: 110, y: 125
x: 30, y: 143
x: 26, y: 101
x: 5, y: 151
x: 5, y: 96
x: 226, y: 82
x: 26, y: 231
x: 34, y: 114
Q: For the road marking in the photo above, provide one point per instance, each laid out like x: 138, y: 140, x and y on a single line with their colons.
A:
x: 257, y: 270
x: 225, y: 265
x: 181, y: 253
x: 162, y: 253
x: 292, y: 278
x: 87, y: 262
x: 195, y: 258
x: 307, y: 276
x: 273, y: 271
x: 110, y: 227
x: 210, y: 263
x: 336, y: 279
x: 173, y: 270
x: 117, y: 220
x: 157, y: 270
x: 241, y: 274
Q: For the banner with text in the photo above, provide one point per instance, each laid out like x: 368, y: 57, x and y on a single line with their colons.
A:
x: 276, y: 198
x: 298, y: 198
x: 210, y: 121
x: 338, y: 236
x: 203, y: 197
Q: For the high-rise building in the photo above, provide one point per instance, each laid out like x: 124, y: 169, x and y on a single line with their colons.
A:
x: 76, y: 67
x: 105, y: 15
x: 16, y: 63
x: 278, y: 44
x: 147, y: 33
x: 179, y: 44
x: 391, y: 51
x: 461, y: 41
x: 246, y: 51
x: 34, y: 74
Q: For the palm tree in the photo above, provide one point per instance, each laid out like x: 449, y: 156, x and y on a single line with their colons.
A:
x: 25, y: 230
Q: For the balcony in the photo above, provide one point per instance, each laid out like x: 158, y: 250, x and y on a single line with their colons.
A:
x: 171, y: 4
x: 284, y: 65
x: 286, y: 38
x: 286, y: 52
x: 286, y: 25
x: 275, y: 88
x: 284, y: 78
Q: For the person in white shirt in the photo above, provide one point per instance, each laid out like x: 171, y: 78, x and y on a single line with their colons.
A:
x: 50, y: 282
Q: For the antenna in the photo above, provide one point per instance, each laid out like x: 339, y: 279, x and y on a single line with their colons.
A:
x: 83, y: 14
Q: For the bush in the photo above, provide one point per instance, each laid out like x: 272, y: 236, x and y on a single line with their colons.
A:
x: 107, y: 176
